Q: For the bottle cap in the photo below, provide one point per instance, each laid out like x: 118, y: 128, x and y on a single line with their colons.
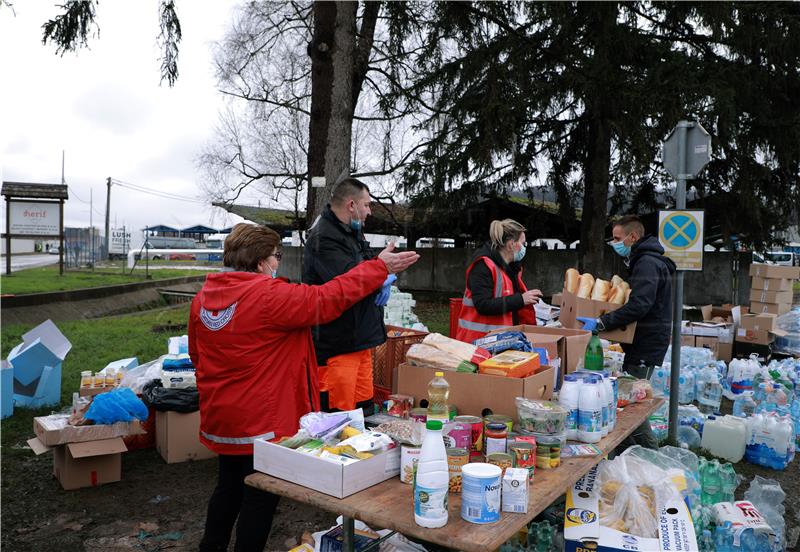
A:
x: 439, y: 374
x: 435, y: 425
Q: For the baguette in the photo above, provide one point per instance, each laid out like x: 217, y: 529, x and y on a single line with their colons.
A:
x: 586, y: 285
x: 572, y: 280
x: 601, y: 290
x: 617, y: 295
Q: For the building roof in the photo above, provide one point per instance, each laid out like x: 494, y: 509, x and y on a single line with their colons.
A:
x: 35, y: 190
x: 200, y: 229
x: 160, y: 228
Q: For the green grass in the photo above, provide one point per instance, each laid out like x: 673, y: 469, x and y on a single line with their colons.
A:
x: 435, y: 315
x: 95, y: 343
x: 797, y: 286
x: 37, y: 280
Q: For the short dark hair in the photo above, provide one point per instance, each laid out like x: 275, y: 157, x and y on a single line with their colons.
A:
x: 631, y: 223
x: 247, y: 245
x: 347, y: 189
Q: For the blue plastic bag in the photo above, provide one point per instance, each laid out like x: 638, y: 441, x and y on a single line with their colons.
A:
x: 119, y: 405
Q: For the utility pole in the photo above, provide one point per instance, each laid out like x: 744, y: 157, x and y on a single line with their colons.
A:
x: 108, y: 215
x: 91, y: 224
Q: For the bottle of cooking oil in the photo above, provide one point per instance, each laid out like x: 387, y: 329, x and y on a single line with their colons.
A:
x: 438, y: 392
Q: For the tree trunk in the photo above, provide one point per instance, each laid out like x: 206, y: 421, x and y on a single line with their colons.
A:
x: 599, y: 116
x: 320, y: 51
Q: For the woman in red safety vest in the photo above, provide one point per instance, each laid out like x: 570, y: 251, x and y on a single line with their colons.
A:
x: 496, y: 296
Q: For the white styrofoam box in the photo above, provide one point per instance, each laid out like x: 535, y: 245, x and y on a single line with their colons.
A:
x: 322, y: 475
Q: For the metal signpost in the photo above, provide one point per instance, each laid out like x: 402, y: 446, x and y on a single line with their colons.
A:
x: 686, y: 152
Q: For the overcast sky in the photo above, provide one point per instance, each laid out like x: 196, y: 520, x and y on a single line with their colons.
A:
x: 105, y: 108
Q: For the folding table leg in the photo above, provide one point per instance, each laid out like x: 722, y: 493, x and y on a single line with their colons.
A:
x: 348, y: 527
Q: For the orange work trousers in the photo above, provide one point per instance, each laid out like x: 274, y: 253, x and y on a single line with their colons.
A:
x: 347, y: 379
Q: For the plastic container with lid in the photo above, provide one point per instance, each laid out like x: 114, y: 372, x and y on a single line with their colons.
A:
x: 541, y: 416
x: 560, y: 437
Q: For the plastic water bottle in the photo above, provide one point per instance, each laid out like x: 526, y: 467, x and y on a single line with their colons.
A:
x: 795, y: 412
x: 432, y: 480
x: 438, y: 392
x: 744, y: 406
x: 659, y: 381
x: 590, y: 412
x: 568, y: 398
x: 605, y: 403
x: 686, y: 381
x: 612, y: 401
x: 709, y: 393
x: 593, y: 359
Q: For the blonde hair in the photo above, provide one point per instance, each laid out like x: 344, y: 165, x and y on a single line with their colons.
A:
x: 500, y: 231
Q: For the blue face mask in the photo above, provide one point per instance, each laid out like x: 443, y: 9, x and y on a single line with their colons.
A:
x: 355, y: 223
x: 274, y: 273
x: 519, y: 255
x: 620, y: 248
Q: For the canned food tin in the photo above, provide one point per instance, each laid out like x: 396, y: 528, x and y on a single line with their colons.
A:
x: 476, y: 440
x: 499, y: 419
x: 523, y: 455
x: 409, y: 456
x: 457, y: 435
x: 480, y: 500
x: 548, y: 452
x: 500, y: 459
x: 419, y: 414
x: 457, y: 458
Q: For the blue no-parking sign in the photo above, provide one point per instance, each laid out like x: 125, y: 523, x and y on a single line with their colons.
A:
x: 681, y: 236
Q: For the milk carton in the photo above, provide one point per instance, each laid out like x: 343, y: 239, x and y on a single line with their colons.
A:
x: 515, y: 491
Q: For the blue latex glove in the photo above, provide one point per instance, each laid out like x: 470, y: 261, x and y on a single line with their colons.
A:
x: 589, y: 324
x: 383, y: 294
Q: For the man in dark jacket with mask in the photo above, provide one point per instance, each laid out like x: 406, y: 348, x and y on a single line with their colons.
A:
x: 334, y: 245
x: 649, y: 305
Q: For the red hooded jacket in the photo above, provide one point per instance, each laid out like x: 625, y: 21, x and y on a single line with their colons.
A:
x: 250, y: 342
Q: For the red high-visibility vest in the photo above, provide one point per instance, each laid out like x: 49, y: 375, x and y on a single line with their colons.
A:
x: 472, y: 325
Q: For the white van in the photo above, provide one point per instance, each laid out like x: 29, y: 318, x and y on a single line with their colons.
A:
x: 781, y: 258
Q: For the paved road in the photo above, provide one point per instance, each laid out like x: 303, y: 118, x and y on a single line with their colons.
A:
x: 21, y: 262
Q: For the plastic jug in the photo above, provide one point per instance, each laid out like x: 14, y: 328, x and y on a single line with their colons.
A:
x: 709, y: 390
x: 431, y: 483
x: 612, y: 400
x: 590, y: 411
x: 568, y: 398
x: 725, y: 437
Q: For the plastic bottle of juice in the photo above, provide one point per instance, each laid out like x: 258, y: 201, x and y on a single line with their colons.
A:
x: 432, y: 479
x: 438, y: 392
x: 593, y: 360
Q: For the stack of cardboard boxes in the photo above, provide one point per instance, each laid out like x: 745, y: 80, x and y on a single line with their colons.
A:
x: 715, y: 332
x: 770, y: 296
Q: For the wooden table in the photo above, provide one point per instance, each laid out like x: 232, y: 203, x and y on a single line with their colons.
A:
x: 389, y: 505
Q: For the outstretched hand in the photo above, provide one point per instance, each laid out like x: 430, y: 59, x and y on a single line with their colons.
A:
x: 397, y: 262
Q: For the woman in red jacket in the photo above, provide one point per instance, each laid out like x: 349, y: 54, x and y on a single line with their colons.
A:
x: 250, y: 342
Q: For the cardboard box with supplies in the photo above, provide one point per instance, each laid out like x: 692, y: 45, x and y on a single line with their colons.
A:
x: 775, y: 271
x: 583, y: 531
x: 573, y: 307
x: 774, y: 297
x: 55, y: 430
x: 771, y: 284
x: 323, y: 475
x: 177, y: 437
x: 88, y: 464
x: 758, y: 337
x: 564, y: 343
x: 766, y: 322
x: 770, y: 308
x: 471, y: 393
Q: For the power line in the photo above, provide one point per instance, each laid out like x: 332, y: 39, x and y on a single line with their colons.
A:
x: 82, y: 201
x: 157, y: 193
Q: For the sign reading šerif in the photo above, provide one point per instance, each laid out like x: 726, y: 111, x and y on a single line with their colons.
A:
x: 34, y: 218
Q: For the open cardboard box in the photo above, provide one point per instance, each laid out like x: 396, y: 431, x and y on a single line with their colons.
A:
x: 567, y: 344
x: 54, y: 430
x: 325, y: 476
x: 84, y: 464
x: 177, y: 437
x: 583, y: 531
x: 471, y: 393
x: 573, y: 307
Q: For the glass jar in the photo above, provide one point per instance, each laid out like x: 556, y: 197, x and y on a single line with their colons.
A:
x: 86, y: 378
x: 495, y: 437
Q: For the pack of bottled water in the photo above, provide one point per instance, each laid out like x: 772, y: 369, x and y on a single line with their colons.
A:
x: 741, y: 373
x: 770, y: 440
x: 740, y: 527
x: 709, y: 388
x: 692, y: 356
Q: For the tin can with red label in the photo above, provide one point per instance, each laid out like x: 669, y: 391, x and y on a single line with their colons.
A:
x: 476, y: 436
x: 419, y: 414
x: 457, y: 435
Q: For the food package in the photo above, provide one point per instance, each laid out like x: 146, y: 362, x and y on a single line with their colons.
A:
x: 586, y: 286
x: 632, y: 492
x: 512, y: 364
x: 631, y: 390
x: 409, y: 432
x: 572, y: 280
x: 504, y: 341
x: 463, y: 351
x: 369, y: 441
x: 421, y: 354
x: 541, y: 416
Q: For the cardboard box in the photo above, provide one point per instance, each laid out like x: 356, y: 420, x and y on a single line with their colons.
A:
x: 564, y: 343
x: 711, y: 343
x: 710, y: 329
x: 583, y: 531
x: 322, y: 475
x: 333, y: 540
x: 758, y: 337
x: 54, y: 430
x: 775, y: 271
x: 471, y: 393
x: 725, y: 351
x: 573, y: 307
x: 774, y: 297
x: 688, y: 341
x: 94, y: 391
x: 771, y: 284
x: 178, y: 437
x: 770, y: 308
x: 766, y: 321
x: 85, y: 464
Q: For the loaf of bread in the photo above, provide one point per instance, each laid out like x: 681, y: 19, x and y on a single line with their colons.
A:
x: 617, y: 295
x: 600, y: 290
x: 585, y: 286
x: 572, y: 280
x: 616, y: 280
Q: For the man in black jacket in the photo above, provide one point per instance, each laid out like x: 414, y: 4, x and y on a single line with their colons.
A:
x: 649, y: 305
x: 334, y: 245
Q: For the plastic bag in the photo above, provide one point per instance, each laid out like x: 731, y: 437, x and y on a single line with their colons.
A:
x: 409, y: 432
x: 369, y: 441
x: 504, y: 341
x: 688, y: 485
x: 632, y: 492
x: 137, y: 377
x: 119, y: 405
x: 178, y: 400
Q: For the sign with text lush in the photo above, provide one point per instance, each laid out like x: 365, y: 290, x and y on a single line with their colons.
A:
x: 34, y: 218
